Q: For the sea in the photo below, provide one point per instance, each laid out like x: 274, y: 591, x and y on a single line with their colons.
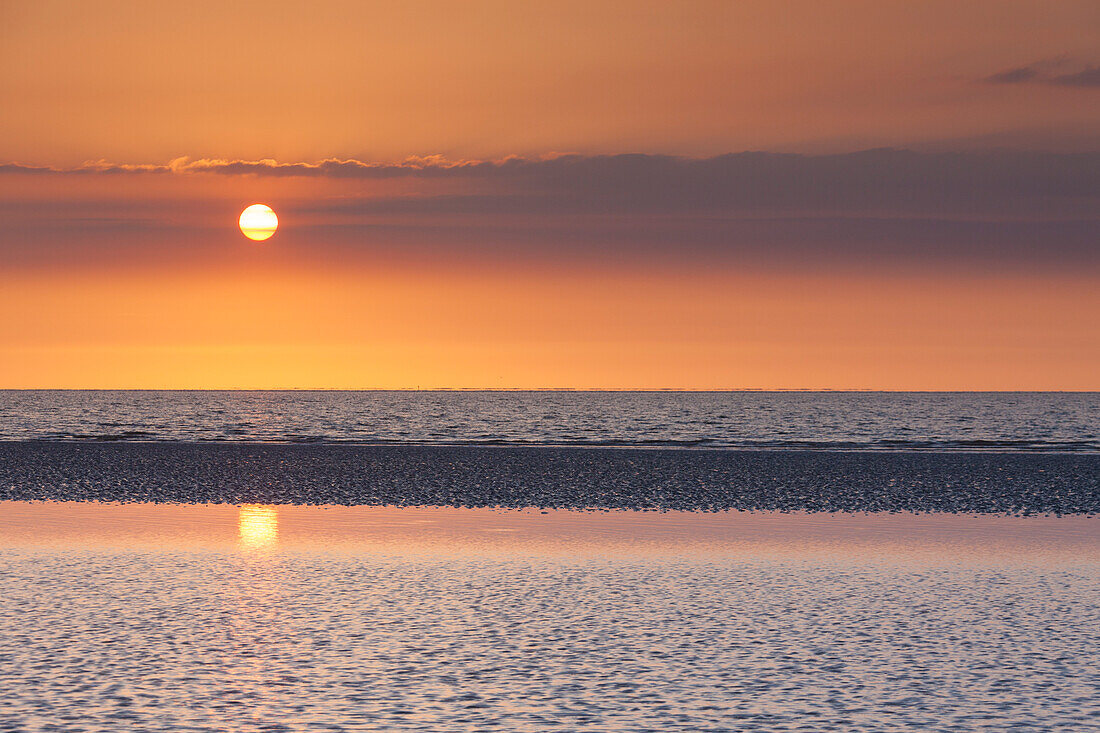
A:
x: 549, y: 561
x: 892, y: 421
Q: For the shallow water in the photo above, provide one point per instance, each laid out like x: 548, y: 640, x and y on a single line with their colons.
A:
x: 154, y: 617
x: 817, y: 420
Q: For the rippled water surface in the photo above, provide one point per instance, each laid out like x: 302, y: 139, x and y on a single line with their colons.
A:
x: 859, y: 420
x: 216, y: 618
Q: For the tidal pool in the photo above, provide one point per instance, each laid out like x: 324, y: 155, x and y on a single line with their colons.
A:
x: 151, y: 617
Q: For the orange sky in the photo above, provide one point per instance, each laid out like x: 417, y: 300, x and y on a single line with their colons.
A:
x: 396, y: 329
x: 135, y: 81
x: 970, y: 263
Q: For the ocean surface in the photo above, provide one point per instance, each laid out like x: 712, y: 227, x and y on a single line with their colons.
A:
x: 918, y: 421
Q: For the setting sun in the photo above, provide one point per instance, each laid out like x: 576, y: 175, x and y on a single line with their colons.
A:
x: 258, y: 222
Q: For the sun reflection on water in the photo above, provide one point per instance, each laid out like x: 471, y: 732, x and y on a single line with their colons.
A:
x: 258, y: 526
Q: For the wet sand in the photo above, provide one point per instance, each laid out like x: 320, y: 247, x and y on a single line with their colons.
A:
x: 553, y: 478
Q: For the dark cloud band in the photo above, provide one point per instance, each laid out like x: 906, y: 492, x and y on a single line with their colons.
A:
x: 1023, y: 210
x: 1025, y: 184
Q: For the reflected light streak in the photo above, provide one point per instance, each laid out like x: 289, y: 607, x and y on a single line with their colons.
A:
x: 258, y: 526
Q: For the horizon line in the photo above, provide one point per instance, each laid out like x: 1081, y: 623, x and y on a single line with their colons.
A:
x: 555, y: 389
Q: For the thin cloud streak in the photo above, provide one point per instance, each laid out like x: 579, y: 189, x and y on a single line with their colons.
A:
x: 429, y: 166
x: 1053, y: 72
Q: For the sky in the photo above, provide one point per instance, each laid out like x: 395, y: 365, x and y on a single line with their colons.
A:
x: 622, y: 195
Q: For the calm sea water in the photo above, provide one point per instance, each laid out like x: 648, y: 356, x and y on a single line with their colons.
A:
x: 825, y: 420
x: 218, y: 618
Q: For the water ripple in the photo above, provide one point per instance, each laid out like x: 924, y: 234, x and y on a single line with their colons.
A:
x: 1031, y: 422
x: 99, y: 641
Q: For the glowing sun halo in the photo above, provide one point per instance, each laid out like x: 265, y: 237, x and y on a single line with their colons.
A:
x: 258, y: 222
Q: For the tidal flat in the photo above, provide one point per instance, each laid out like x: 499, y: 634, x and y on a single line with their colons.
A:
x: 554, y: 477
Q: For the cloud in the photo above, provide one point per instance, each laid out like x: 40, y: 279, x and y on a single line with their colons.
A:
x: 1088, y: 77
x: 429, y: 166
x: 995, y: 209
x: 1055, y: 72
x: 883, y: 181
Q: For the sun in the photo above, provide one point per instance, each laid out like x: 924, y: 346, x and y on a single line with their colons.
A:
x: 258, y: 222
